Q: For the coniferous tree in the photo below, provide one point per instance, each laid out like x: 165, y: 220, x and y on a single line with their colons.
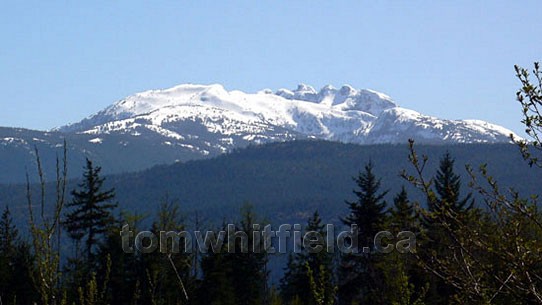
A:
x: 127, y: 273
x: 448, y: 189
x: 216, y: 287
x: 250, y: 269
x: 164, y: 267
x: 237, y: 275
x: 404, y: 280
x: 358, y: 277
x: 9, y: 235
x: 293, y: 283
x: 402, y: 215
x: 123, y: 272
x: 446, y: 210
x: 296, y: 282
x: 90, y: 215
x: 15, y: 261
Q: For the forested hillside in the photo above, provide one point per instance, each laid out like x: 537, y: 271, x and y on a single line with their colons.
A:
x: 305, y: 182
x: 287, y: 181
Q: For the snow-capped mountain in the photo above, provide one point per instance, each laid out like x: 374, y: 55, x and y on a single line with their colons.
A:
x: 189, y: 122
x: 208, y: 119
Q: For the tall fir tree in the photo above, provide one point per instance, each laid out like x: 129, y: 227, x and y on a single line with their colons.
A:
x: 89, y: 215
x: 403, y: 215
x: 296, y: 282
x: 358, y: 277
x: 446, y: 210
x: 448, y: 189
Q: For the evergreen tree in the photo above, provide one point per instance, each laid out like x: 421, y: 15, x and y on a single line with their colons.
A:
x: 448, y: 189
x: 164, y: 267
x: 368, y: 212
x: 89, y: 216
x: 296, y: 282
x: 238, y: 276
x: 404, y: 280
x: 403, y: 216
x: 446, y: 212
x: 358, y: 277
x: 127, y: 273
x: 250, y: 269
x: 217, y: 287
x: 9, y: 235
x: 15, y: 261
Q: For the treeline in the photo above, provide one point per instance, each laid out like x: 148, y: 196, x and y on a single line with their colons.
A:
x: 466, y: 252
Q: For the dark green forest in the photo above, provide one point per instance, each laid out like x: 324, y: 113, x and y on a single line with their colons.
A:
x: 286, y: 182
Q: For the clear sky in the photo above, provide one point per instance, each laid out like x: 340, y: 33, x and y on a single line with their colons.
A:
x: 61, y: 61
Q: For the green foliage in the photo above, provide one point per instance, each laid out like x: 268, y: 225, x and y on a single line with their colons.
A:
x: 274, y: 297
x: 45, y: 234
x: 489, y: 256
x: 322, y: 292
x: 91, y: 293
x: 401, y: 290
x: 530, y: 98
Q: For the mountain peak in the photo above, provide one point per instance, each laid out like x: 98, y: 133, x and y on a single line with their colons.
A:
x: 346, y: 90
x: 326, y: 90
x: 304, y: 88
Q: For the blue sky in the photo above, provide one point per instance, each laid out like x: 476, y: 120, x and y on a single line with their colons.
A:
x: 61, y: 61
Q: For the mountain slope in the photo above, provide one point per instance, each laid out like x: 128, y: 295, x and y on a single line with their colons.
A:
x: 116, y: 153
